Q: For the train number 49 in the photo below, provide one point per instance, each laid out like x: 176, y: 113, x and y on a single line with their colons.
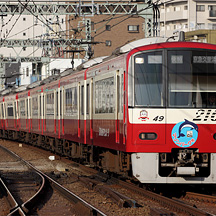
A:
x: 158, y: 118
x: 204, y: 115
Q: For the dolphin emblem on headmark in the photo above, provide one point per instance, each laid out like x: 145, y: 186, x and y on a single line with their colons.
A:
x: 187, y: 124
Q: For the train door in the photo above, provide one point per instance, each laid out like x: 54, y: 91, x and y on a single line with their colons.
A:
x: 62, y: 95
x: 17, y: 114
x: 26, y: 113
x: 41, y: 107
x: 90, y: 102
x: 88, y: 112
x: 14, y: 114
x: 55, y: 111
x: 4, y: 114
x: 82, y: 112
x: 59, y: 112
x: 1, y: 115
x: 119, y: 106
x: 29, y: 108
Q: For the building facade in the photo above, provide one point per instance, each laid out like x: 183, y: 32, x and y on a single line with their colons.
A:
x: 107, y: 32
x: 19, y: 28
x: 187, y: 15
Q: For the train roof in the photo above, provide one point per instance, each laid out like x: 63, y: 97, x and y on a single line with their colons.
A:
x: 34, y: 84
x: 6, y: 91
x: 91, y: 62
x: 141, y: 42
x: 21, y: 88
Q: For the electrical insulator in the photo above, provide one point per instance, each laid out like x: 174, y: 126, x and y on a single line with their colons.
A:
x: 149, y: 28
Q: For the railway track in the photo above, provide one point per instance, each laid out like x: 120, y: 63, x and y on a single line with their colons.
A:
x: 167, y: 206
x: 171, y: 204
x: 112, y: 188
x: 19, y: 207
x: 200, y: 197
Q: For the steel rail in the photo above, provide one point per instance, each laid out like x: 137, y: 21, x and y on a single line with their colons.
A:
x: 17, y: 212
x: 26, y: 206
x: 10, y: 197
x: 79, y: 203
x: 201, y: 197
x: 170, y: 203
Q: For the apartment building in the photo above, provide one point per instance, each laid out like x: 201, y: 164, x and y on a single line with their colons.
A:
x: 18, y: 29
x: 187, y: 15
x: 107, y: 31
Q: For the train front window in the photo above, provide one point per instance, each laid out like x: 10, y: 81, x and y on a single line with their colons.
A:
x: 192, y: 78
x: 148, y: 79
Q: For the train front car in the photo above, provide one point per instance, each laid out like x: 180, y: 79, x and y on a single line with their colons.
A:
x: 172, y: 112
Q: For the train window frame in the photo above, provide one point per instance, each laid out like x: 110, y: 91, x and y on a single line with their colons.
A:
x: 131, y: 81
x: 49, y: 100
x: 111, y: 74
x: 26, y: 108
x: 88, y: 95
x: 74, y: 109
x: 34, y: 111
x: 192, y: 104
x: 82, y: 98
x: 2, y: 110
x: 22, y: 112
x: 15, y: 111
x: 10, y: 111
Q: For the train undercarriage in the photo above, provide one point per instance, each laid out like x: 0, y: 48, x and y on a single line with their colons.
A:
x: 184, y: 162
x: 108, y: 160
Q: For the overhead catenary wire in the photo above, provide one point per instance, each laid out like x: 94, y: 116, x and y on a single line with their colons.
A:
x: 45, y: 17
x: 15, y: 22
x: 80, y: 29
x: 101, y: 21
x: 83, y: 26
x: 39, y: 19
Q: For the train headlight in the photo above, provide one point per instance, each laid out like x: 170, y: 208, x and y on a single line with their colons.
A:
x: 148, y: 136
x: 214, y: 136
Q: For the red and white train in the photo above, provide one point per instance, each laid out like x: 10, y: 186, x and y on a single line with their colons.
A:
x: 148, y: 110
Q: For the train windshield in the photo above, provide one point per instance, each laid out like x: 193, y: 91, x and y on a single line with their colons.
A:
x: 192, y: 78
x: 148, y: 79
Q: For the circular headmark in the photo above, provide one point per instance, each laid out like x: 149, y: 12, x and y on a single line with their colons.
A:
x: 185, y: 134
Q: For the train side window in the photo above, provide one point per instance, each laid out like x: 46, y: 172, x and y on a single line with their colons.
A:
x: 71, y: 101
x: 43, y: 106
x: 50, y: 104
x: 15, y: 109
x: 40, y: 106
x: 74, y: 100
x: 57, y: 101
x: 61, y: 102
x: 68, y: 102
x: 22, y: 108
x: 82, y: 99
x: 26, y: 107
x: 122, y: 92
x: 29, y: 106
x: 10, y: 109
x: 118, y: 92
x: 104, y: 96
x: 2, y: 108
x: 35, y: 106
x: 87, y: 99
x: 148, y: 79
